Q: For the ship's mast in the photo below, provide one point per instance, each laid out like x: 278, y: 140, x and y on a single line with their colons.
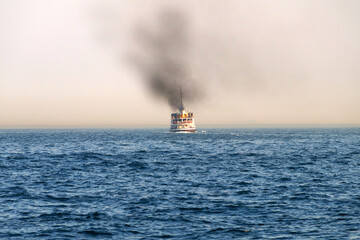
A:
x: 181, y: 103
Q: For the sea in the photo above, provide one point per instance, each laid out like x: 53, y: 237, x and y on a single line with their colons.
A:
x: 231, y: 183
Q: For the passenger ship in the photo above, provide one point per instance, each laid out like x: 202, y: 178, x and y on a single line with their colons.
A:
x: 182, y: 121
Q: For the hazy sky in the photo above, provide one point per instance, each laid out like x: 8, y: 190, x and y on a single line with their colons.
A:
x: 65, y: 63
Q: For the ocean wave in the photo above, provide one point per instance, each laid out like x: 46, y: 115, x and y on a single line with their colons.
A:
x: 225, y: 184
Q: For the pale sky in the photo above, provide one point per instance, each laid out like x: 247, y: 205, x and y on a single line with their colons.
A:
x: 64, y: 63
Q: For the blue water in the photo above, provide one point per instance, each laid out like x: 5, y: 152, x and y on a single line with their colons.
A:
x: 152, y: 184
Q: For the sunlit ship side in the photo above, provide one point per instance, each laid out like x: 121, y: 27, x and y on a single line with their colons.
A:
x: 182, y: 122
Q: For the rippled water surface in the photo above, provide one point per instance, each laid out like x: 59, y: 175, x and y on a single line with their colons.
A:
x: 151, y: 184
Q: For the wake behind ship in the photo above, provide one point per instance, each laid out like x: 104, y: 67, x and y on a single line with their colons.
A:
x: 182, y: 121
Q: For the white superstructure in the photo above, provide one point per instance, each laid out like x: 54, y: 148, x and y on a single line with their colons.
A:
x: 182, y: 122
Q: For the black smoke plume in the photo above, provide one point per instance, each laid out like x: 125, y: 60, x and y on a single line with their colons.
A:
x: 162, y: 57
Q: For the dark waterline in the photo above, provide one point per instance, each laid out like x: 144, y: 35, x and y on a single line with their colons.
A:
x: 152, y: 184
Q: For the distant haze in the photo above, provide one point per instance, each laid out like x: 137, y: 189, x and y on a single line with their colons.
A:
x: 66, y: 63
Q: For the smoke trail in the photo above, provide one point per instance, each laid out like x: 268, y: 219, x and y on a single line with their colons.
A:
x: 163, y: 60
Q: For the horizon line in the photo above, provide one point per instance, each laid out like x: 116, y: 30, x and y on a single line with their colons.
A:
x: 142, y: 126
